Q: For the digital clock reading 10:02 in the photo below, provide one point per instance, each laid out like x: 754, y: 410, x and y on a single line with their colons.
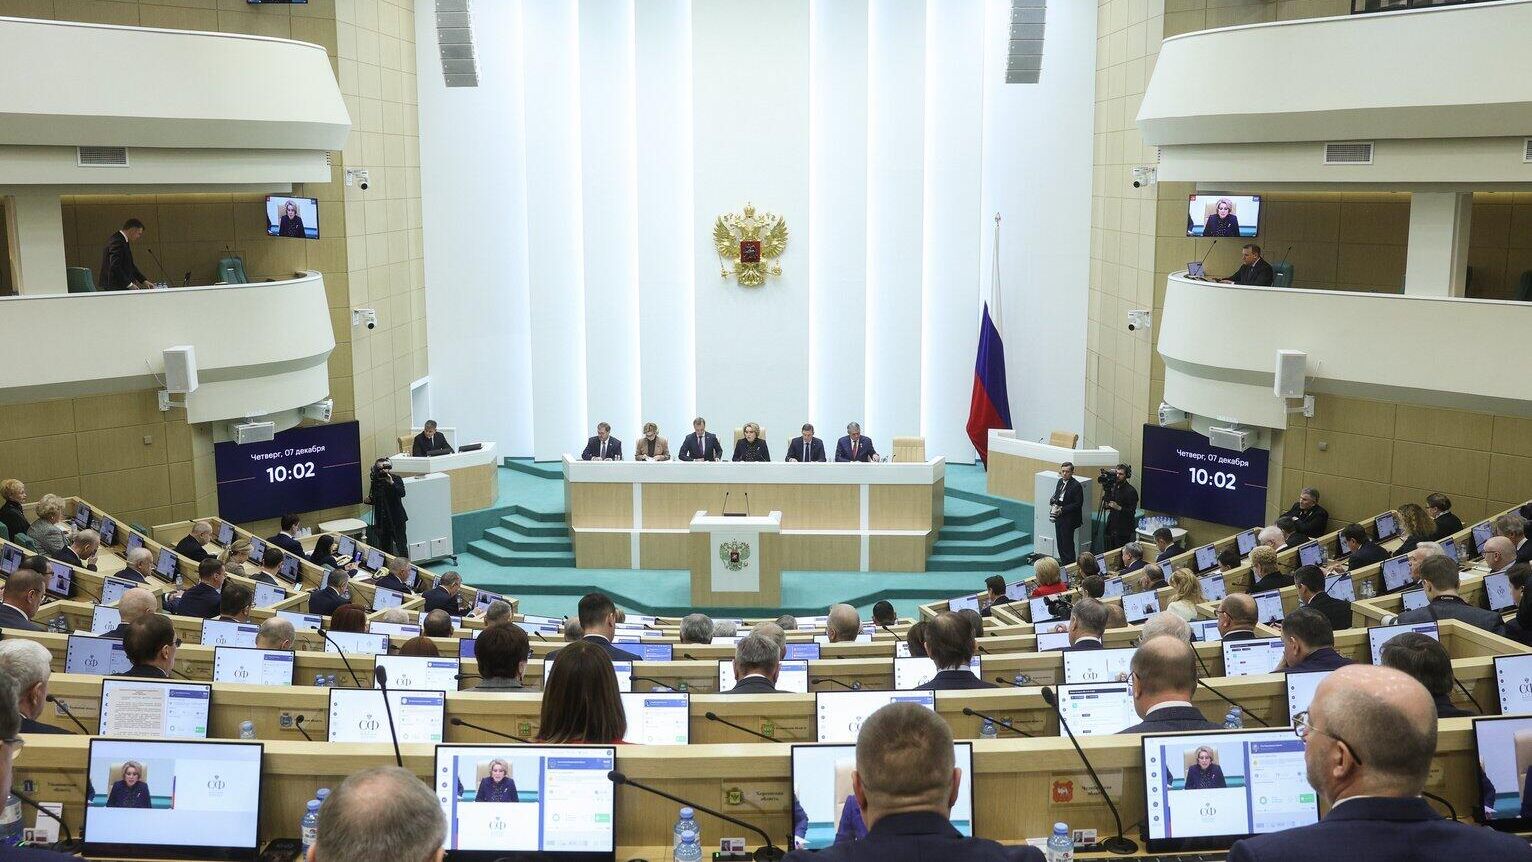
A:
x: 301, y: 470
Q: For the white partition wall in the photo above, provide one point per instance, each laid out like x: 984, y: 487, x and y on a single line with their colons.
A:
x: 572, y: 197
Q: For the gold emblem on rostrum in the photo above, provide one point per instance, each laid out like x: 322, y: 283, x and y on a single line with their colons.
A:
x: 752, y: 243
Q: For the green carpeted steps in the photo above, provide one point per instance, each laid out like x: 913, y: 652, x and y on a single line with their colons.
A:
x: 977, y: 537
x: 541, y: 470
x: 527, y: 537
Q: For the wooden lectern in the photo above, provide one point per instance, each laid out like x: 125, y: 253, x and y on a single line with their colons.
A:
x: 735, y: 560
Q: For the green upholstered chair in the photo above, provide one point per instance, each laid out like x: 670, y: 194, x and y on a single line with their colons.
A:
x: 231, y: 270
x: 80, y: 279
x: 1282, y: 275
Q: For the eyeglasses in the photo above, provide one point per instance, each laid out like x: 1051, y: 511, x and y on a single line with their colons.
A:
x: 1303, y: 727
x: 14, y: 746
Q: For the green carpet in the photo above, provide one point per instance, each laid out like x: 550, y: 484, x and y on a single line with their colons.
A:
x: 540, y: 572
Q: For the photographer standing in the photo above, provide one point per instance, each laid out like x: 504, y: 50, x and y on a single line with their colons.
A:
x: 386, y: 496
x: 1121, y: 501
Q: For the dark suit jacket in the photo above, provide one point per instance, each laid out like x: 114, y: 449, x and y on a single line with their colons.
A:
x: 438, y: 599
x: 753, y: 685
x: 864, y: 449
x: 1069, y: 497
x: 201, y: 600
x: 953, y: 680
x: 1273, y: 581
x: 117, y: 269
x: 1171, y: 719
x: 423, y: 446
x: 1093, y: 643
x: 146, y: 671
x: 1524, y: 553
x: 1381, y: 829
x: 1324, y: 658
x: 189, y: 549
x: 30, y: 725
x: 288, y: 544
x: 1240, y: 635
x: 707, y: 450
x: 67, y: 555
x: 1453, y: 608
x: 1447, y: 524
x: 32, y: 854
x: 12, y: 618
x: 1310, y: 523
x: 1171, y: 550
x: 918, y: 837
x: 15, y: 518
x: 118, y: 633
x: 816, y: 450
x: 755, y: 452
x: 388, y: 582
x: 1445, y: 708
x: 612, y: 651
x: 325, y: 601
x: 1259, y: 274
x: 1409, y: 544
x: 1337, y: 611
x: 1365, y: 555
x: 593, y: 449
x: 1135, y: 566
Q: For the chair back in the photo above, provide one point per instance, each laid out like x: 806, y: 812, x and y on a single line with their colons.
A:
x: 1064, y: 439
x: 1282, y: 275
x: 231, y: 270
x: 406, y: 442
x: 909, y: 450
x: 79, y: 279
x: 739, y: 433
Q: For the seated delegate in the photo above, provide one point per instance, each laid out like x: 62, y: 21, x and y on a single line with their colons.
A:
x: 430, y: 442
x: 701, y: 444
x: 651, y: 446
x: 751, y: 447
x: 1254, y: 270
x: 855, y: 447
x: 603, y: 446
x: 806, y: 447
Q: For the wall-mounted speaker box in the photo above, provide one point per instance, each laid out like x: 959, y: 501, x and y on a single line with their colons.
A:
x: 1291, y: 367
x: 181, y: 370
x: 255, y: 432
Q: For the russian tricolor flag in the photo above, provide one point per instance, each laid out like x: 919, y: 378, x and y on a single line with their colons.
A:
x: 989, y: 407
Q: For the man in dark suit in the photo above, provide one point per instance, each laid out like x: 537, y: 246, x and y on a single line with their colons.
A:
x: 905, y: 784
x: 807, y: 447
x: 134, y: 605
x: 701, y: 444
x: 603, y: 446
x: 287, y: 539
x: 1360, y: 550
x: 1439, y: 507
x: 950, y: 646
x: 1311, y: 518
x: 29, y: 664
x: 1253, y: 270
x: 140, y: 566
x: 445, y: 596
x: 598, y: 623
x: 1164, y: 539
x: 1164, y: 677
x: 1131, y: 558
x: 1512, y: 526
x: 1237, y: 617
x: 81, y: 550
x: 1087, y: 624
x: 396, y: 576
x: 1065, y: 511
x: 994, y: 593
x: 333, y: 595
x: 757, y: 662
x: 1311, y: 581
x: 1308, y: 643
x: 1369, y: 737
x: 117, y: 269
x: 855, y: 446
x: 1265, y: 574
x: 151, y: 646
x: 1121, y: 501
x: 1439, y: 577
x: 1424, y: 658
x: 23, y: 595
x: 205, y: 598
x: 191, y: 544
x: 430, y: 441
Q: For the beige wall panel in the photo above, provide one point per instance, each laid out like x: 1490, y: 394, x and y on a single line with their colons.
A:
x: 803, y: 507
x: 1513, y: 436
x: 604, y: 504
x: 821, y: 553
x: 121, y: 448
x: 1442, y: 427
x: 116, y: 411
x: 664, y: 550
x: 897, y: 554
x: 899, y: 507
x: 129, y: 490
x: 39, y: 458
x: 1350, y: 499
x: 1349, y: 455
x: 1510, y: 478
x: 39, y: 419
x: 602, y: 550
x: 1010, y: 476
x: 1352, y: 415
x: 1453, y: 471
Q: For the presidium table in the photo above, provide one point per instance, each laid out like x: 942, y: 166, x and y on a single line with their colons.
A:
x: 819, y: 517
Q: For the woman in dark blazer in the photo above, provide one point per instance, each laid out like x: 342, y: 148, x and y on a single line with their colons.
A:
x: 1205, y: 774
x: 130, y: 791
x: 751, y: 447
x: 497, y: 786
x: 292, y: 223
x: 1223, y: 221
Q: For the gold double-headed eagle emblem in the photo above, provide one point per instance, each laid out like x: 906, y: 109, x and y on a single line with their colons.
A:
x: 751, y: 243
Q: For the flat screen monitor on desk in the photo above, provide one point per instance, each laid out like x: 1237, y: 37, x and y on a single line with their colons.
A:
x: 1499, y: 744
x: 290, y: 569
x: 216, y: 633
x: 155, y: 799
x: 647, y: 651
x: 403, y: 630
x: 257, y: 548
x: 1450, y: 548
x: 165, y: 564
x: 1377, y: 636
x: 1042, y: 609
x: 383, y: 599
x: 311, y: 622
x: 253, y: 666
x: 1207, y: 790
x: 95, y: 656
x: 374, y: 560
x: 1300, y: 690
x: 1311, y: 554
x: 912, y: 673
x: 839, y: 714
x: 1250, y: 657
x: 358, y: 715
x: 104, y: 619
x: 1205, y: 631
x: 792, y: 675
x: 1097, y: 708
x: 108, y: 532
x: 1513, y: 679
x: 656, y: 717
x: 417, y: 671
x: 1206, y: 558
x: 225, y: 533
x: 1482, y: 532
x: 60, y: 580
x: 821, y: 778
x: 154, y: 709
x: 1213, y: 588
x: 356, y: 643
x: 482, y: 600
x: 1409, y: 600
x: 1049, y: 641
x: 1138, y: 607
x: 1098, y: 665
x: 10, y: 559
x: 1245, y: 542
x: 1268, y: 607
x: 963, y: 603
x: 1396, y: 573
x: 81, y: 516
x: 1497, y: 592
x: 345, y: 547
x: 267, y: 595
x: 807, y: 651
x: 1386, y: 526
x: 1341, y: 587
x: 549, y: 803
x: 113, y: 588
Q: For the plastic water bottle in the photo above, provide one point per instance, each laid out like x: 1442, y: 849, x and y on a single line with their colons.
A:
x: 321, y: 795
x: 987, y: 730
x: 688, y: 821
x: 247, y: 730
x: 309, y: 826
x: 58, y: 624
x: 1061, y: 848
x: 10, y: 822
x: 330, y: 680
x: 690, y: 848
x: 1235, y: 719
x: 1367, y: 589
x: 319, y: 679
x: 1022, y: 680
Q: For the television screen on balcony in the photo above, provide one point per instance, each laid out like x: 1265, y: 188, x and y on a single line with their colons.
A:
x: 1185, y: 475
x: 1215, y: 215
x: 292, y: 217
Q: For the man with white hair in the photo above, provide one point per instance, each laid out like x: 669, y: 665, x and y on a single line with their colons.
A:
x: 191, y: 544
x: 1416, y: 556
x: 1272, y: 537
x: 134, y: 605
x: 774, y: 632
x: 81, y: 550
x: 757, y: 662
x: 696, y: 629
x: 1165, y: 624
x: 30, y: 664
x: 843, y: 624
x: 396, y: 577
x: 275, y: 633
x: 498, y: 612
x: 140, y: 565
x: 395, y: 616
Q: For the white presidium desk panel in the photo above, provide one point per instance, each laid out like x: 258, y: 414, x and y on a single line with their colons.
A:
x: 475, y: 477
x: 880, y: 517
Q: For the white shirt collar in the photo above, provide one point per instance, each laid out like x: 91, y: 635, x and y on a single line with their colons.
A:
x: 755, y: 676
x: 1344, y: 799
x: 1084, y: 638
x: 1167, y: 704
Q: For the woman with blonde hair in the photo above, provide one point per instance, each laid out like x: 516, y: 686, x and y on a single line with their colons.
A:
x: 1049, y: 578
x: 1221, y: 221
x: 750, y: 446
x: 1414, y: 523
x: 498, y: 785
x: 13, y: 496
x: 235, y: 556
x: 1185, y: 594
x: 651, y: 446
x: 50, y: 531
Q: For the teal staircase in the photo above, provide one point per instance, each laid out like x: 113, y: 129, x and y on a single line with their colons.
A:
x: 977, y: 536
x: 527, y: 537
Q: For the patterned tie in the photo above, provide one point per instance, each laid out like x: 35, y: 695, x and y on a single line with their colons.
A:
x: 853, y: 450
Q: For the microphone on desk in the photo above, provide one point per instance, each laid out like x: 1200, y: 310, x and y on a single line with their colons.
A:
x: 713, y: 716
x: 1119, y: 844
x: 724, y: 509
x: 466, y: 676
x: 890, y: 631
x: 769, y: 853
x: 298, y: 723
x: 163, y: 274
x: 68, y: 836
x: 688, y: 656
x: 186, y: 279
x: 79, y: 587
x: 1234, y: 703
x: 980, y: 647
x: 1206, y: 253
x: 747, y: 504
x: 69, y: 713
x: 854, y: 686
x: 1003, y: 681
x: 1283, y: 260
x: 458, y: 722
x: 380, y: 675
x: 663, y: 686
x: 354, y: 678
x: 998, y: 722
x: 178, y: 673
x: 1471, y: 699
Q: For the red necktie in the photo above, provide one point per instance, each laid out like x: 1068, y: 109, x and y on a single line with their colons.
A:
x: 853, y: 450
